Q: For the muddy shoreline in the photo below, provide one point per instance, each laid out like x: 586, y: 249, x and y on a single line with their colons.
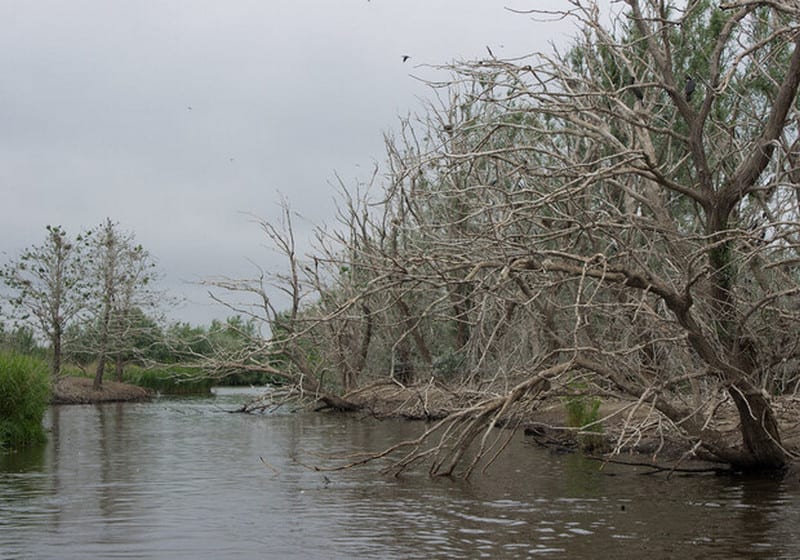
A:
x: 545, y: 422
x: 79, y: 390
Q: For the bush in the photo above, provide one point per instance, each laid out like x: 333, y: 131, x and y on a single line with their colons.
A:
x: 170, y: 381
x: 24, y: 397
x: 247, y: 378
x: 583, y: 413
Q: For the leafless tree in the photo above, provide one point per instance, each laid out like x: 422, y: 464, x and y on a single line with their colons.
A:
x: 620, y: 218
x: 123, y: 272
x: 650, y: 234
x: 308, y: 346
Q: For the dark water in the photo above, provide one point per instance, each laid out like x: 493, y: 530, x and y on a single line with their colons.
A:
x: 181, y: 479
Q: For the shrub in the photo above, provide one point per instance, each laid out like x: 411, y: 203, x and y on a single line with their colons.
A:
x: 24, y: 397
x: 170, y: 381
x: 583, y: 412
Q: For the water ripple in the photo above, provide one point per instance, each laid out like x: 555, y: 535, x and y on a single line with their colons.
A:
x: 178, y: 479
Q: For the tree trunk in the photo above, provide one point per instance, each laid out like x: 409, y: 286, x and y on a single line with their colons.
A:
x: 403, y: 369
x: 412, y: 326
x: 760, y: 435
x: 56, y: 365
x: 363, y: 351
x: 758, y: 426
x: 119, y: 368
x: 461, y: 305
x: 102, y: 350
x: 98, y: 375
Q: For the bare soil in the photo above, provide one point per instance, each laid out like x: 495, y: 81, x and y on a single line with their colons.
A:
x: 79, y: 390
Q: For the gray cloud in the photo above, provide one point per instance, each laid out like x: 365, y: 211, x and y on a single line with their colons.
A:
x: 176, y: 118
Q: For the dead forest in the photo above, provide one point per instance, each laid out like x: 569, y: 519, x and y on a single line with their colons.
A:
x: 614, y: 221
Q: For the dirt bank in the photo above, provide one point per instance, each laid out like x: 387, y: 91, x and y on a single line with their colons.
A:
x: 640, y: 433
x: 79, y: 390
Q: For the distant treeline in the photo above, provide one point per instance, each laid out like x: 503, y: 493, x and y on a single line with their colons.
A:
x: 172, y: 348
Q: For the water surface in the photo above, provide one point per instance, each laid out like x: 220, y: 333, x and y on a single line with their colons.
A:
x: 182, y: 478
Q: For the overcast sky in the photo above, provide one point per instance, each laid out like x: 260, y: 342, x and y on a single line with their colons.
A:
x: 177, y: 118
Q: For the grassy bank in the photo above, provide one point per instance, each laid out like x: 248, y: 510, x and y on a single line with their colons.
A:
x: 24, y: 396
x: 170, y: 380
x: 167, y: 380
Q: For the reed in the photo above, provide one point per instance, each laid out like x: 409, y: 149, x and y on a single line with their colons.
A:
x: 170, y: 380
x: 583, y: 413
x: 24, y: 397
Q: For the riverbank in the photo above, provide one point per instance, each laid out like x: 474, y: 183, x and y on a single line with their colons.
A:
x: 640, y: 434
x: 110, y: 469
x: 80, y: 390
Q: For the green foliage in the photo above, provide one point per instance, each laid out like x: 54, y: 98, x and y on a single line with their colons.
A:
x: 246, y: 378
x: 179, y: 344
x: 234, y: 334
x: 21, y: 340
x: 24, y: 397
x: 307, y: 349
x: 187, y: 342
x: 140, y: 340
x: 171, y: 380
x: 583, y: 413
x: 92, y: 287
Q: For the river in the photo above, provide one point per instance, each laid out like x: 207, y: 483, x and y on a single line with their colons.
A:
x: 182, y: 478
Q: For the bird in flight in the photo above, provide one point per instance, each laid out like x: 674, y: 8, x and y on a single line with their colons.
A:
x: 406, y: 57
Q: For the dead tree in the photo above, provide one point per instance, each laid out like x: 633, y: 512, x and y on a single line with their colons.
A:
x: 589, y: 185
x: 580, y: 218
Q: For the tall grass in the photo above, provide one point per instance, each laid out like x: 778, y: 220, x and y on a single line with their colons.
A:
x: 24, y: 397
x: 170, y: 381
x: 167, y: 380
x: 583, y: 413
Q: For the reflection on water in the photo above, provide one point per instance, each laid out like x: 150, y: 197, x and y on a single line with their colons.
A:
x: 181, y: 478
